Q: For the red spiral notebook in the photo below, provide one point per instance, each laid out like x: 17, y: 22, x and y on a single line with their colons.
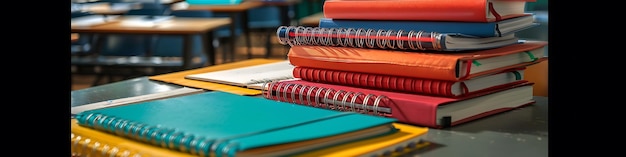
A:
x: 425, y: 10
x: 415, y: 109
x: 409, y: 84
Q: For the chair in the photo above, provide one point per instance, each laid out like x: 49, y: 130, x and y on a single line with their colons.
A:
x: 83, y: 45
x: 265, y: 19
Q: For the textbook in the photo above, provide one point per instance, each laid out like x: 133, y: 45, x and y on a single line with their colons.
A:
x: 428, y: 65
x: 408, y: 138
x: 89, y: 142
x: 225, y: 124
x: 411, y: 85
x: 407, y: 40
x: 249, y: 76
x: 415, y: 109
x: 178, y: 78
x: 425, y: 10
x: 471, y: 29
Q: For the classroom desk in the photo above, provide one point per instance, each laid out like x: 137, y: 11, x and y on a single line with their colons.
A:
x: 518, y: 133
x: 233, y: 10
x: 186, y: 27
x: 74, y: 37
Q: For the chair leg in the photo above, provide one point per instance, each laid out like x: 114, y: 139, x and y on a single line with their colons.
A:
x: 268, y: 43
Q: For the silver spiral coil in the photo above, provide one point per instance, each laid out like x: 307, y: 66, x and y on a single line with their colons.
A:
x: 359, y: 38
x: 327, y: 98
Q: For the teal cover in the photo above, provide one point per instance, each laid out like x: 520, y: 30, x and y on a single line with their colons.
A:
x: 205, y: 122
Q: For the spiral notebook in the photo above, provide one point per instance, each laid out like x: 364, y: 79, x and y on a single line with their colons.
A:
x: 410, y: 84
x: 224, y: 124
x: 415, y: 109
x: 250, y: 76
x: 90, y: 142
x: 407, y: 40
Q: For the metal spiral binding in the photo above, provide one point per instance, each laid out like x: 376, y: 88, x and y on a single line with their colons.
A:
x: 265, y: 80
x: 359, y: 38
x: 325, y: 98
x: 90, y: 148
x: 159, y: 136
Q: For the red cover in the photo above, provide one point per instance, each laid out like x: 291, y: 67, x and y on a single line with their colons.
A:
x: 387, y: 82
x: 407, y: 108
x: 425, y: 64
x: 426, y: 10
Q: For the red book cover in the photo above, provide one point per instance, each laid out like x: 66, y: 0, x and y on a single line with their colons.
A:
x: 420, y: 64
x: 411, y: 85
x: 425, y: 10
x: 415, y: 109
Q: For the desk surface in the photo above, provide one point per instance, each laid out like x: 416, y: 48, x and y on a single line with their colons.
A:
x: 518, y: 133
x: 312, y: 20
x: 176, y: 25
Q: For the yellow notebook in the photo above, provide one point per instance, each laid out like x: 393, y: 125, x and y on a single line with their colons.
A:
x: 92, y: 143
x: 407, y: 139
x: 179, y: 77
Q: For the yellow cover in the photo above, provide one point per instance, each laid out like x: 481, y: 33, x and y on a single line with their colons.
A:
x: 179, y: 77
x: 92, y: 143
x: 408, y: 138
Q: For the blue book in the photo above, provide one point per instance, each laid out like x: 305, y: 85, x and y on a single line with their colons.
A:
x: 224, y: 124
x: 472, y: 29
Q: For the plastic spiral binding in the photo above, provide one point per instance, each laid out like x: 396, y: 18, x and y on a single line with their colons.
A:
x: 360, y: 38
x: 327, y: 98
x: 85, y: 147
x: 159, y: 136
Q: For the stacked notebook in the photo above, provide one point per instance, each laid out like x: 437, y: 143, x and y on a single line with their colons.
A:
x: 224, y: 124
x: 426, y: 63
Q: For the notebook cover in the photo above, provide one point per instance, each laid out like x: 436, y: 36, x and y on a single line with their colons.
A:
x: 229, y: 123
x: 423, y: 10
x: 426, y: 64
x: 179, y: 77
x: 89, y: 142
x: 408, y: 138
x: 413, y: 109
x: 474, y: 29
x: 394, y: 83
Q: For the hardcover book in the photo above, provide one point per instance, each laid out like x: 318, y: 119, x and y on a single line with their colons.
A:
x: 224, y: 124
x: 411, y: 85
x: 415, y: 109
x: 425, y: 10
x: 427, y: 65
x: 471, y: 29
x: 407, y: 40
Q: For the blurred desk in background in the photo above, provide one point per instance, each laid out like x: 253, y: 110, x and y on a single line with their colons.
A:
x: 312, y: 20
x: 233, y: 10
x: 186, y: 27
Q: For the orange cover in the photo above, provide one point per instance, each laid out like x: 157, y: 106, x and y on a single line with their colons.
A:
x: 426, y: 10
x: 425, y: 64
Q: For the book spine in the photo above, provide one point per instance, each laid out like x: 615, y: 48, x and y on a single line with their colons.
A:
x: 476, y: 29
x: 361, y: 38
x: 164, y: 137
x: 85, y: 146
x: 375, y: 81
x: 327, y: 98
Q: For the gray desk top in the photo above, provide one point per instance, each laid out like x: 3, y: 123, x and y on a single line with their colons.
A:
x: 518, y: 133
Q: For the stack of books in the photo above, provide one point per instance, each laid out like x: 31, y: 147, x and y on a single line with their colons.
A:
x: 426, y: 63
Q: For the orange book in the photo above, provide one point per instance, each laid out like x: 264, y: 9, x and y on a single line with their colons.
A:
x: 420, y: 64
x: 425, y: 10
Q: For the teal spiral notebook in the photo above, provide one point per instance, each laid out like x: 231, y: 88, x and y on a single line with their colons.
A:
x: 224, y: 124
